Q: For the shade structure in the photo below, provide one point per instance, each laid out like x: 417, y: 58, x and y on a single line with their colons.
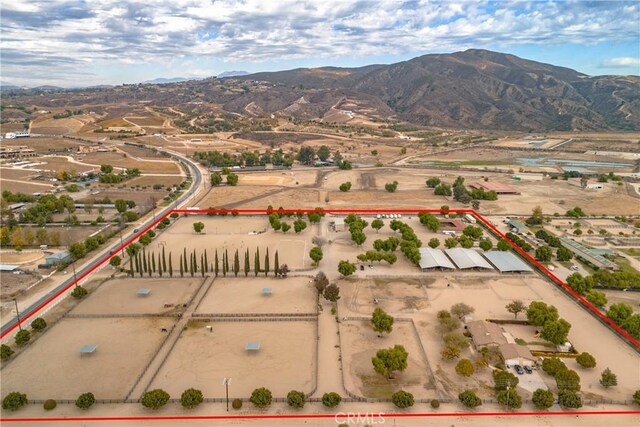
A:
x: 267, y: 291
x: 88, y: 349
x: 252, y: 346
x: 434, y: 258
x: 143, y: 292
x: 507, y: 262
x: 465, y: 258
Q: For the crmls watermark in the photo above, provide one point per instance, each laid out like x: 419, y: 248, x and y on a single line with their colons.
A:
x: 356, y: 418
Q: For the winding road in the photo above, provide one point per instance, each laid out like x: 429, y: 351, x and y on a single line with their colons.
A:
x: 59, y: 290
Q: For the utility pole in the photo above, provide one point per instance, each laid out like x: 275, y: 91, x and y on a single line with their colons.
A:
x: 226, y: 383
x: 75, y: 279
x: 17, y: 313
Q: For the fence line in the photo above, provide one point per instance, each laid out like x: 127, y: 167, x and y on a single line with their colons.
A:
x: 231, y: 315
x: 261, y: 319
x: 168, y: 333
x: 116, y: 316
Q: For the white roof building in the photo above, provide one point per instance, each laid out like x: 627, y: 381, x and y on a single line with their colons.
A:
x: 434, y: 258
x: 467, y: 258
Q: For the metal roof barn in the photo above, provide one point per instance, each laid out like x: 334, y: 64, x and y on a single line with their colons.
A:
x: 507, y: 262
x: 467, y: 258
x: 434, y: 258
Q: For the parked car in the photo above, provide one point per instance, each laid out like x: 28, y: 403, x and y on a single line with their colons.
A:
x: 528, y: 369
x: 575, y: 268
x: 518, y: 369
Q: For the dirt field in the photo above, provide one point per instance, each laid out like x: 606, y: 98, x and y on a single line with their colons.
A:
x: 244, y: 295
x: 27, y: 187
x: 138, y: 196
x: 122, y: 161
x: 202, y: 358
x: 286, y: 178
x: 120, y: 296
x: 150, y: 181
x: 56, y: 163
x: 359, y: 345
x: 124, y: 347
x: 293, y: 249
x: 140, y: 152
x: 42, y: 144
x: 49, y: 126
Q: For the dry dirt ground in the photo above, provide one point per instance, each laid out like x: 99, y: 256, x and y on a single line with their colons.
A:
x: 203, y: 357
x: 291, y: 295
x: 120, y: 296
x: 293, y: 249
x: 52, y: 367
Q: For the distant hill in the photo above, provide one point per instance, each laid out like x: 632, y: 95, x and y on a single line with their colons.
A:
x: 232, y: 74
x: 162, y: 80
x: 484, y: 89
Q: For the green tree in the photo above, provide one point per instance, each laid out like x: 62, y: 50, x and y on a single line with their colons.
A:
x: 636, y: 397
x: 22, y: 337
x: 232, y: 179
x: 316, y: 254
x: 544, y: 253
x: 542, y: 399
x: 345, y: 186
x: 306, y: 155
x: 434, y: 243
x: 465, y: 368
x: 619, y: 312
x: 486, y: 245
x: 503, y: 245
x: 451, y: 242
x: 299, y: 225
x: 472, y: 232
x: 261, y: 397
x: 553, y: 365
x: 155, y: 399
x: 402, y: 399
x: 85, y: 400
x: 503, y: 379
x: 198, y: 227
x: 323, y: 153
x: 580, y: 284
x: 509, y: 398
x: 608, y: 378
x: 331, y: 399
x: 115, y: 261
x: 320, y: 282
x: 285, y: 227
x: 563, y: 254
x: 106, y: 169
x: 346, y: 268
x: 567, y: 379
x: 556, y: 331
x: 450, y: 352
x: 433, y: 182
x: 469, y: 399
x: 216, y: 179
x: 377, y: 224
x: 388, y: 361
x: 296, y: 399
x: 145, y: 239
x: 461, y: 309
x: 569, y: 399
x: 121, y: 205
x: 79, y: 292
x: 331, y: 293
x: 540, y: 313
x: 191, y: 398
x: 39, y: 324
x: 391, y: 187
x: 77, y: 250
x: 516, y: 307
x: 266, y: 263
x: 5, y: 352
x: 586, y: 360
x: 429, y: 221
x: 597, y: 298
x: 14, y: 401
x: 382, y: 322
x: 236, y: 263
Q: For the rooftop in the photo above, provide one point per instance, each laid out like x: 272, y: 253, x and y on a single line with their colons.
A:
x: 515, y: 351
x: 485, y: 333
x: 434, y: 258
x: 588, y: 254
x: 252, y: 346
x: 494, y: 186
x: 467, y: 258
x: 506, y: 261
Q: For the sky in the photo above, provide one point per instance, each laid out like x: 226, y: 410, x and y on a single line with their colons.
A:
x: 85, y: 42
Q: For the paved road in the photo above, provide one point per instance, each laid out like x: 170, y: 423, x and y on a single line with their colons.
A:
x: 197, y: 182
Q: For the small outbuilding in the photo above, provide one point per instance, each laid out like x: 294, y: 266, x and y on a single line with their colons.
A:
x: 339, y: 225
x: 88, y: 349
x: 515, y: 354
x: 144, y: 292
x: 58, y: 258
x: 267, y: 292
x: 252, y: 346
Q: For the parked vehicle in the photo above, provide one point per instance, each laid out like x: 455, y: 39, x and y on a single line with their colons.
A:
x: 528, y: 369
x: 518, y: 369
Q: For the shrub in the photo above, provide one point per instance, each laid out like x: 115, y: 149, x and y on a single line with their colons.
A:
x: 261, y: 397
x: 85, y: 400
x: 22, y: 337
x: 586, y: 360
x: 469, y: 399
x: 608, y: 378
x: 636, y: 397
x: 49, y: 404
x: 331, y: 399
x: 450, y: 352
x: 569, y: 399
x: 191, y: 398
x: 552, y: 365
x: 79, y: 292
x: 402, y: 399
x: 5, y: 352
x: 465, y: 368
x: 296, y: 399
x: 509, y: 398
x: 14, y: 401
x: 435, y: 403
x: 39, y: 324
x: 236, y: 404
x: 542, y: 399
x: 155, y: 399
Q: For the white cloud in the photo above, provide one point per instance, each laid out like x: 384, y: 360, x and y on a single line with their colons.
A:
x: 624, y: 62
x: 59, y: 35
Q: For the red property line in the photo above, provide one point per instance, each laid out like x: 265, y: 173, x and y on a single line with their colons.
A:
x: 339, y: 416
x: 310, y: 416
